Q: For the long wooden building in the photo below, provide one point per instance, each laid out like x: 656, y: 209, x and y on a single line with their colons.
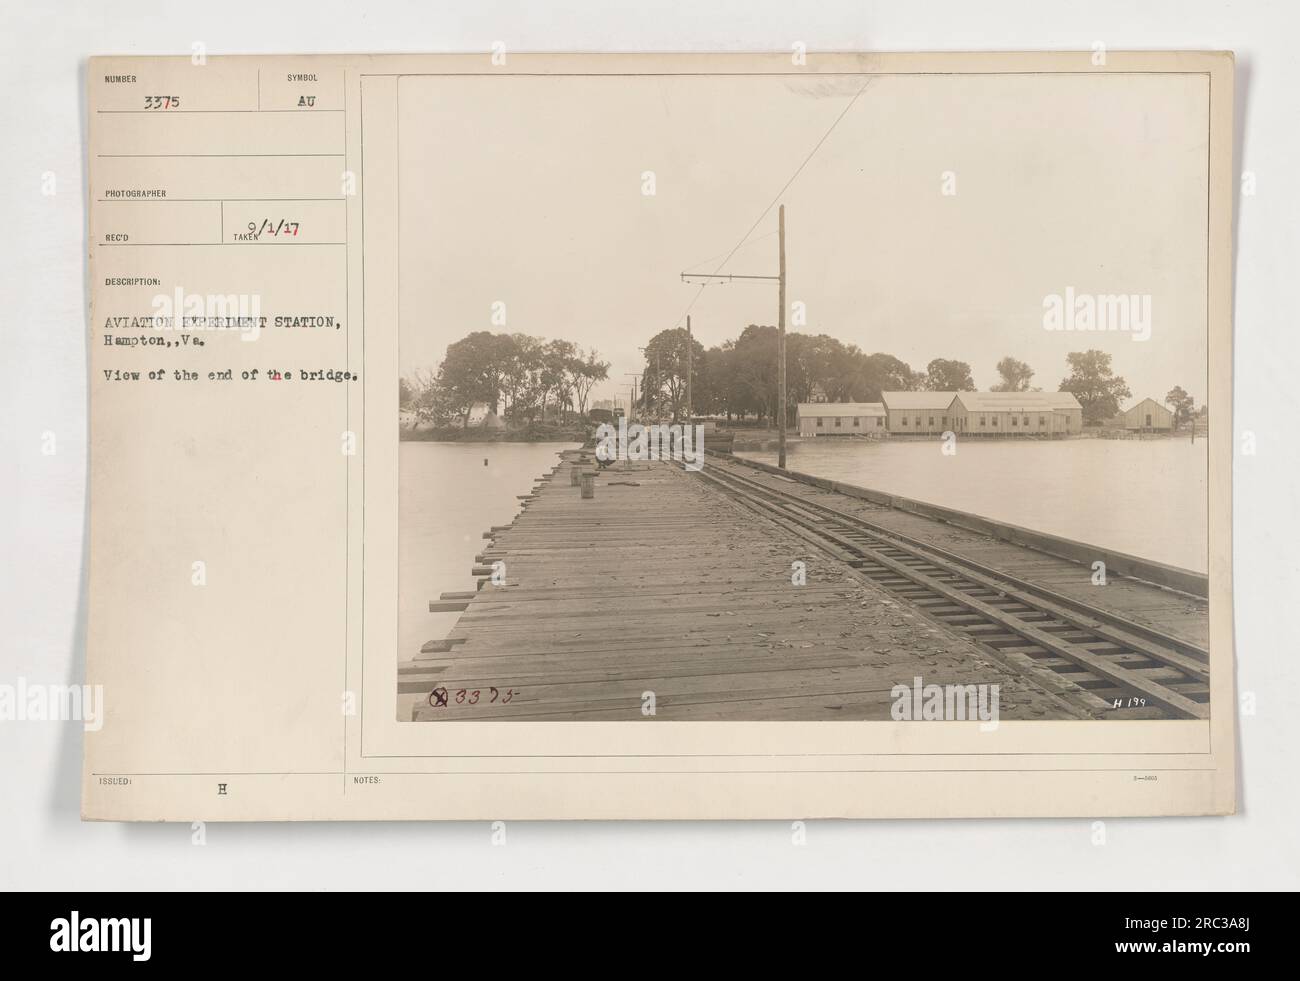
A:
x: 983, y: 413
x: 841, y: 419
x: 1016, y: 414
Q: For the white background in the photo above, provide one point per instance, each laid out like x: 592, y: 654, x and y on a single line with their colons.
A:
x: 43, y: 844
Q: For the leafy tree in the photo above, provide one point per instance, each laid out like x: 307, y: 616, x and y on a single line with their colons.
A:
x: 711, y: 378
x: 1181, y: 403
x: 816, y: 362
x: 802, y: 367
x: 665, y: 370
x: 429, y: 401
x: 522, y: 359
x: 471, y: 373
x: 556, y: 358
x: 754, y: 362
x: 942, y: 375
x: 1094, y: 383
x: 585, y: 370
x: 883, y: 373
x: 847, y: 374
x: 723, y: 389
x: 1015, y: 375
x: 513, y: 374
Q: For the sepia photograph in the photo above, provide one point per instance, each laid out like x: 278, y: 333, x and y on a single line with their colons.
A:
x: 504, y: 445
x: 768, y: 398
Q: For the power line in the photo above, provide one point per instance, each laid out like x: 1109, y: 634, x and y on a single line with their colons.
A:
x: 799, y: 170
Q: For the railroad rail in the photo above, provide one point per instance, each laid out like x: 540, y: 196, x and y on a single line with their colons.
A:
x: 1100, y: 663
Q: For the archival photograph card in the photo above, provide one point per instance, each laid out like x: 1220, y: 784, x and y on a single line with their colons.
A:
x: 660, y: 436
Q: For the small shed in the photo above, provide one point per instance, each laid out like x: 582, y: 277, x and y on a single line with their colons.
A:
x: 1147, y: 416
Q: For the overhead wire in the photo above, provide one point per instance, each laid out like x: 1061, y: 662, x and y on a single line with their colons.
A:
x: 786, y: 186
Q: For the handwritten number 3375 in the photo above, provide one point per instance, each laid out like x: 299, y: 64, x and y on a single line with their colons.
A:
x: 439, y: 697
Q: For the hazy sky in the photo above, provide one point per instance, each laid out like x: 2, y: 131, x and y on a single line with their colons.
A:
x: 529, y: 191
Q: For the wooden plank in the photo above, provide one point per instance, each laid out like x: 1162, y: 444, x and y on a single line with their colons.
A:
x: 448, y: 606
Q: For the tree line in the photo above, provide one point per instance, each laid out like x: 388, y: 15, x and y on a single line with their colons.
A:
x: 516, y: 376
x: 523, y: 378
x: 738, y: 378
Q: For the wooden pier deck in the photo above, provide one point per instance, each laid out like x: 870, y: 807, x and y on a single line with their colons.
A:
x: 665, y: 585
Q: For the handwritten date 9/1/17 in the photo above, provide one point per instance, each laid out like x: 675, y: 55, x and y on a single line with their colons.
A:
x: 442, y: 697
x: 267, y: 227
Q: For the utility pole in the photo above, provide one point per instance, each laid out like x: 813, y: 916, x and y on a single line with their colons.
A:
x: 631, y: 406
x: 689, y: 353
x: 659, y: 379
x: 780, y: 343
x: 780, y: 330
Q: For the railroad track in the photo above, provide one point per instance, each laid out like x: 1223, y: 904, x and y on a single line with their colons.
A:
x: 1098, y: 663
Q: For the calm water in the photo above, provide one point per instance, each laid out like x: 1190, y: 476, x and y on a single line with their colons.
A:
x: 447, y: 498
x: 1145, y: 497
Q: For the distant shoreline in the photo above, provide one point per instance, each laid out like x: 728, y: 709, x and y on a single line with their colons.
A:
x: 476, y: 434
